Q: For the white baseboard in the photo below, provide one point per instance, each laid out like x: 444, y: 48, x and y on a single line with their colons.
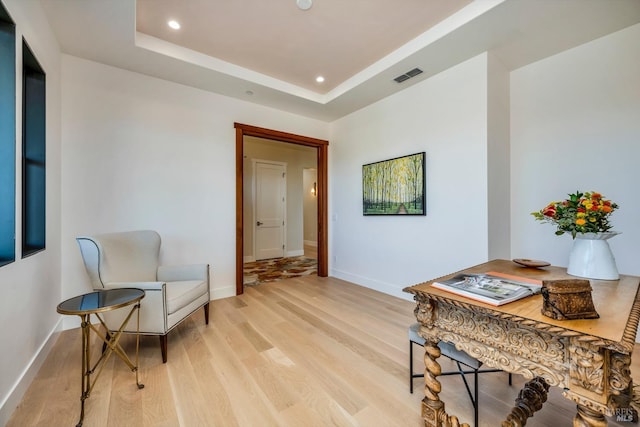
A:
x: 249, y: 258
x: 20, y: 387
x: 225, y: 292
x: 295, y: 253
x: 310, y: 243
x: 385, y: 288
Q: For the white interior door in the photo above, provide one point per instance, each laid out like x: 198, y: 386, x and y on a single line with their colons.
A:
x: 270, y: 194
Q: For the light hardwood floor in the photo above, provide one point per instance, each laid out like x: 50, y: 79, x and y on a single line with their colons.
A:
x: 300, y: 352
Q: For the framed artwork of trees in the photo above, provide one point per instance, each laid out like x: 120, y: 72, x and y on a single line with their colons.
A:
x: 394, y: 187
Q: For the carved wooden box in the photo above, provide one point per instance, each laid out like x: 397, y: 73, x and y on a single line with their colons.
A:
x: 568, y: 299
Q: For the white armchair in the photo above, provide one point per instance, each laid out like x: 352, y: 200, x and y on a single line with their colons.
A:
x: 131, y: 260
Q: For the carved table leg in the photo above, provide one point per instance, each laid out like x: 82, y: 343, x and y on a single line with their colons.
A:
x: 586, y: 417
x: 433, y: 412
x: 529, y: 400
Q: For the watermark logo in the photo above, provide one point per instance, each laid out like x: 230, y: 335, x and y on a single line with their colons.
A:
x: 625, y: 415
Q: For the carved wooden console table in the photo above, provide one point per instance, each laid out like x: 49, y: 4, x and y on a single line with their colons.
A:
x: 589, y: 358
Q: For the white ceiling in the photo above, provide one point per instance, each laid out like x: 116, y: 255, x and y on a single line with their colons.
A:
x: 269, y: 52
x: 277, y: 39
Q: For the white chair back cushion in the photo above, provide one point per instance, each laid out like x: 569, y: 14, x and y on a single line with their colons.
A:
x: 131, y: 256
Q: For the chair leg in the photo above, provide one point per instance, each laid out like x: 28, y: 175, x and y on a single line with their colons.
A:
x: 475, y: 398
x: 462, y: 373
x: 411, y: 366
x: 163, y: 347
x: 412, y: 375
x: 206, y: 314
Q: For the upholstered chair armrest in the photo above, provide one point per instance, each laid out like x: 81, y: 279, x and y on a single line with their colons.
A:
x: 177, y: 273
x: 153, y: 311
x: 145, y: 286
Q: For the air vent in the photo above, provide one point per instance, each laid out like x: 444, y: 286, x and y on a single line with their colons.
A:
x: 406, y: 76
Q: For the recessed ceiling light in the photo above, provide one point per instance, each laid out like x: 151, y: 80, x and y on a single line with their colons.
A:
x: 304, y: 4
x: 319, y: 79
x: 174, y: 24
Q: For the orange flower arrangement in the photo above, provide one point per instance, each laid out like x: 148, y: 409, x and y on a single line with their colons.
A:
x: 581, y: 213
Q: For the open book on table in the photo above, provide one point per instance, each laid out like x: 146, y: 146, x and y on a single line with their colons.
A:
x: 492, y: 287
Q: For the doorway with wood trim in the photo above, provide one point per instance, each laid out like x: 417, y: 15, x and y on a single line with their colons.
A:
x: 321, y: 147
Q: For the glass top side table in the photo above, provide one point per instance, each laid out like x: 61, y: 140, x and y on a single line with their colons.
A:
x: 95, y: 303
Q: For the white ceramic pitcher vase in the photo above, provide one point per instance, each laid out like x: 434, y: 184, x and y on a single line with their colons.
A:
x: 591, y: 257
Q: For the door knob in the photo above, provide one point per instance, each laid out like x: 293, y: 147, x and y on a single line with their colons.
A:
x: 258, y: 223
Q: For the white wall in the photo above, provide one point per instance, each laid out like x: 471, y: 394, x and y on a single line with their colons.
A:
x: 445, y: 116
x: 499, y: 145
x: 575, y: 125
x: 140, y: 152
x: 30, y: 288
x: 297, y: 157
x: 498, y: 166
